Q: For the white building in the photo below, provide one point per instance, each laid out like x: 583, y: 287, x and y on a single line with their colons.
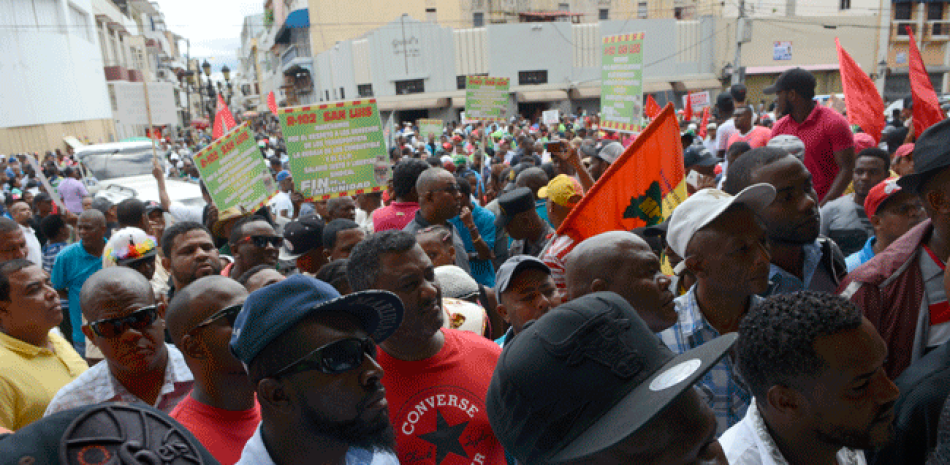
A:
x: 53, y: 82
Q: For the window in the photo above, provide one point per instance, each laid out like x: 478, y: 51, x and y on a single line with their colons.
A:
x: 604, y: 14
x: 80, y: 21
x: 532, y: 77
x: 642, y: 10
x: 678, y: 12
x: 902, y: 11
x: 342, y: 94
x: 431, y: 16
x: 478, y: 19
x: 365, y: 90
x: 460, y: 82
x: 844, y: 5
x: 412, y: 86
x: 327, y: 93
x: 934, y: 11
x: 564, y: 6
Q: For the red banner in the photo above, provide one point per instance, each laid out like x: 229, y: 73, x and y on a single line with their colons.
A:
x: 864, y: 103
x: 926, y: 106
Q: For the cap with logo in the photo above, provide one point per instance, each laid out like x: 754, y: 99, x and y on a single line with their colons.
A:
x: 562, y: 190
x: 514, y: 265
x: 540, y: 402
x: 879, y: 194
x: 511, y: 203
x: 301, y: 235
x: 272, y: 310
x: 796, y: 79
x: 697, y: 155
x: 931, y: 155
x: 152, y: 206
x: 704, y: 206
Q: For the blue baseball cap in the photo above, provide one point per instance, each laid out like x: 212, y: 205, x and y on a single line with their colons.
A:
x: 272, y: 310
x: 283, y: 175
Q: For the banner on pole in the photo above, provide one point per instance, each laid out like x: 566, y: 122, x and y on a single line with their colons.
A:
x: 336, y: 149
x: 621, y: 92
x: 430, y: 126
x: 235, y: 173
x: 486, y: 98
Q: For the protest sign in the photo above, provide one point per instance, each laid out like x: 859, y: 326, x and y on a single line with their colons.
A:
x: 336, y: 149
x: 621, y: 92
x: 698, y: 100
x: 430, y: 126
x: 550, y: 117
x: 235, y: 173
x: 486, y: 98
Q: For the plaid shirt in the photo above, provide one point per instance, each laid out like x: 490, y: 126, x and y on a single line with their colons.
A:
x: 720, y: 387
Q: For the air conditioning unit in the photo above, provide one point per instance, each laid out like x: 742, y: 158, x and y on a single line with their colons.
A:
x: 161, y: 74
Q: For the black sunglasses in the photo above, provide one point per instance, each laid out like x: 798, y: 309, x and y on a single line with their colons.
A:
x: 334, y: 358
x: 114, y: 327
x: 229, y: 313
x: 262, y: 241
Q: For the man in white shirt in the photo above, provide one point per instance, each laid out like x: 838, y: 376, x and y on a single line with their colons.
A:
x: 22, y: 214
x: 281, y: 206
x: 815, y: 366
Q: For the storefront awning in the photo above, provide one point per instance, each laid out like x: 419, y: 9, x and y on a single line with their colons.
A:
x: 73, y: 142
x: 697, y: 84
x: 652, y: 87
x: 540, y: 96
x: 780, y: 69
x: 410, y: 102
x: 297, y: 19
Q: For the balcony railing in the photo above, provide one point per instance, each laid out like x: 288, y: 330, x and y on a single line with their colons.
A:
x: 297, y: 50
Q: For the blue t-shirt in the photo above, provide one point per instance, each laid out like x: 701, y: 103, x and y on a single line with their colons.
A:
x: 73, y: 266
x: 482, y: 270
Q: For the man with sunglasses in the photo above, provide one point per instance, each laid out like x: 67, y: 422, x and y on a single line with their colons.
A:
x: 439, y: 201
x: 221, y: 410
x: 310, y: 355
x: 253, y: 242
x: 129, y: 328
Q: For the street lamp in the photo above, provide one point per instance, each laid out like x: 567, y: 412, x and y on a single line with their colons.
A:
x: 226, y: 72
x: 207, y: 67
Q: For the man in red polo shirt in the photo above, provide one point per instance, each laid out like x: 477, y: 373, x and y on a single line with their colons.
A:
x: 829, y: 143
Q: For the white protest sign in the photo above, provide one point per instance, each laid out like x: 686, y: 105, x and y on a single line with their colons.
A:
x: 550, y: 117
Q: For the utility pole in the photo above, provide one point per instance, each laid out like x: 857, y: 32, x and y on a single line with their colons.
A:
x: 740, y: 26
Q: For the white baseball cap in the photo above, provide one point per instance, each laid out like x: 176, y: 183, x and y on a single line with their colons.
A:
x: 704, y: 206
x: 790, y: 144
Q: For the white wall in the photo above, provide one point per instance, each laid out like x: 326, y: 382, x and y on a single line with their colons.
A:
x: 51, y: 73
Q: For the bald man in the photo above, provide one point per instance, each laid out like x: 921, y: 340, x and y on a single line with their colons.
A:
x: 220, y: 410
x: 622, y: 262
x: 75, y: 264
x: 128, y: 327
x: 439, y: 201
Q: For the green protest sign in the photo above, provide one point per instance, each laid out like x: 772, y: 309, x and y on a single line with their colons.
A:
x: 336, y: 149
x: 235, y: 173
x: 430, y: 126
x: 486, y: 98
x: 621, y: 92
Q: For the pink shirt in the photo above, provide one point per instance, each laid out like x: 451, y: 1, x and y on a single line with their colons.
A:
x: 757, y: 137
x: 395, y: 216
x: 824, y: 132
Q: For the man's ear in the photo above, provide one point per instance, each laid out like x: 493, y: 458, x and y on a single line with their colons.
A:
x: 502, y: 311
x: 89, y: 333
x: 192, y: 347
x: 598, y: 285
x: 695, y: 264
x: 272, y: 393
x: 452, y: 251
x: 166, y: 262
x: 785, y: 401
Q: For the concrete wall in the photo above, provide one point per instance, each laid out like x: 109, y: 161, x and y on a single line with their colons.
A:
x: 43, y: 137
x: 50, y: 74
x: 428, y: 53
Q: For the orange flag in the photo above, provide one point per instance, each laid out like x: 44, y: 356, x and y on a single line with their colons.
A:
x: 864, y: 103
x: 926, y: 106
x: 702, y: 126
x: 651, y: 108
x: 688, y: 107
x: 641, y: 188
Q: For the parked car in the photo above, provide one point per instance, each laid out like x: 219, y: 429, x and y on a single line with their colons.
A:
x: 121, y: 170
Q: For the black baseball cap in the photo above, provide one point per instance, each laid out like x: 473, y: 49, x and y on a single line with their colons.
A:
x: 541, y: 404
x: 931, y: 155
x: 513, y: 202
x: 94, y: 433
x: 301, y: 236
x: 514, y: 265
x: 697, y: 155
x: 152, y: 206
x: 796, y: 79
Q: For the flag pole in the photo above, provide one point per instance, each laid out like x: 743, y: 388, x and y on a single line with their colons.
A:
x: 148, y: 112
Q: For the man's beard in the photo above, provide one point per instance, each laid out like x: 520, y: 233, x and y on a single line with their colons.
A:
x: 374, y: 435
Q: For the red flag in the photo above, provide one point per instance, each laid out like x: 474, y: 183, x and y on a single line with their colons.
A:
x: 702, y: 126
x: 865, y: 106
x: 651, y: 108
x: 223, y: 119
x: 926, y: 106
x: 641, y: 188
x: 688, y: 107
x: 272, y: 102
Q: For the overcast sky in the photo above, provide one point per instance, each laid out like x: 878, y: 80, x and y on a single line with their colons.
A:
x: 212, y: 26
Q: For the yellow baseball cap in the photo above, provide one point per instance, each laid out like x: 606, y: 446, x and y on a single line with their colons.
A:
x: 562, y: 190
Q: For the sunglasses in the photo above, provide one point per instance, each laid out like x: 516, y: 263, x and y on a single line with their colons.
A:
x: 334, y: 358
x: 114, y: 327
x: 228, y: 313
x: 262, y: 241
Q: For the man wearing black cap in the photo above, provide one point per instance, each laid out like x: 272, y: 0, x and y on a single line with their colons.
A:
x: 829, y: 142
x: 520, y: 218
x: 888, y: 288
x: 310, y: 355
x: 697, y: 158
x: 439, y: 201
x: 525, y: 291
x: 436, y: 377
x: 303, y: 244
x: 644, y: 410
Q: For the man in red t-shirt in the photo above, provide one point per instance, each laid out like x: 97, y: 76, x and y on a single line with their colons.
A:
x: 221, y: 410
x: 756, y: 136
x: 829, y: 142
x: 436, y: 378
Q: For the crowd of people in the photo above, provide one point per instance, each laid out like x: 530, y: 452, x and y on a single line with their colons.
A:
x: 791, y: 310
